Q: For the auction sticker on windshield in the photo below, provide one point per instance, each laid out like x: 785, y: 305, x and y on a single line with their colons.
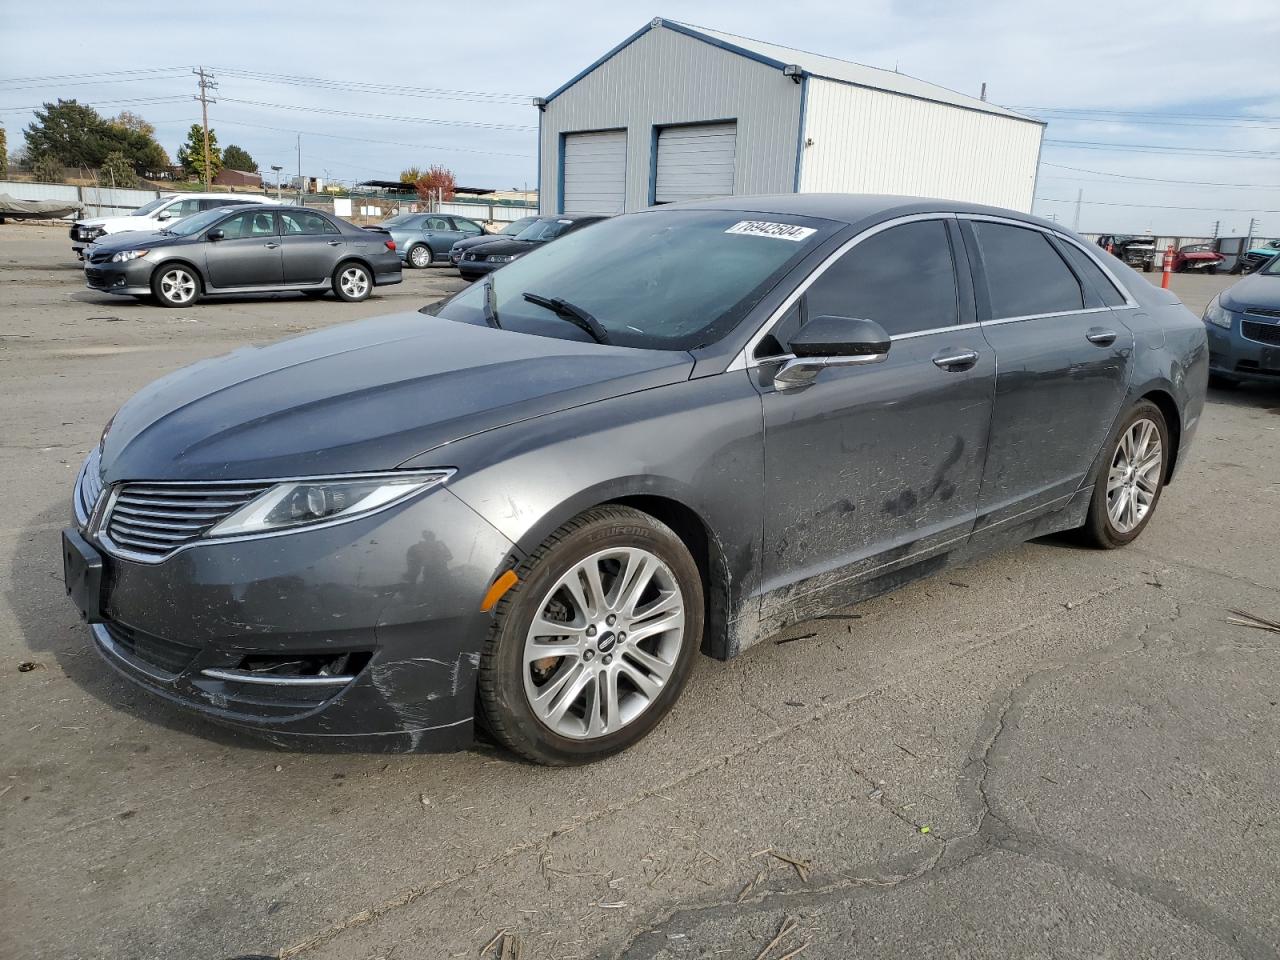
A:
x: 778, y: 231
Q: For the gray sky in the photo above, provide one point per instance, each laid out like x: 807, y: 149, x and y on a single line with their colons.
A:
x: 1205, y: 75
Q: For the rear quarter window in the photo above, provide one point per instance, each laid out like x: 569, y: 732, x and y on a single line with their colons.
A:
x: 1025, y: 275
x: 1092, y: 274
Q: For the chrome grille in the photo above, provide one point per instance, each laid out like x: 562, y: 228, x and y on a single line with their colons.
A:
x: 1262, y: 312
x: 151, y: 520
x: 1261, y: 332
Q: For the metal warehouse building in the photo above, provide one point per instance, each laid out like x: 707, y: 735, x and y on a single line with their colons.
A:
x: 676, y: 112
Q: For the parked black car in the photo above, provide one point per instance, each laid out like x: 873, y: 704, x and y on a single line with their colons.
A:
x: 239, y: 250
x: 489, y: 255
x: 512, y: 229
x: 676, y: 432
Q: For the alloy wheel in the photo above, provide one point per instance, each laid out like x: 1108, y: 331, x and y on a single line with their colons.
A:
x: 604, y: 642
x: 354, y: 282
x: 1134, y: 477
x: 178, y: 286
x: 420, y: 256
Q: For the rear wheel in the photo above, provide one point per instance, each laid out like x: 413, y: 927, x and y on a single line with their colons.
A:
x: 592, y: 646
x: 1129, y: 480
x: 352, y: 282
x: 176, y: 286
x: 420, y: 256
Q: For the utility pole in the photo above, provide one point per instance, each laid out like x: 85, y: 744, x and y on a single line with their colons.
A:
x: 206, y: 84
x: 1248, y: 238
x: 1217, y: 224
x: 1075, y: 224
x: 299, y: 169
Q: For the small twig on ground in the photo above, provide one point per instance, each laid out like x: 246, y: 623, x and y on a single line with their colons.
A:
x: 906, y: 751
x: 802, y: 867
x: 803, y: 636
x: 788, y: 924
x: 796, y: 952
x: 751, y: 885
x: 492, y: 943
x: 1242, y: 619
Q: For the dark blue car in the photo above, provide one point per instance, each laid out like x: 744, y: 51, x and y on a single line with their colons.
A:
x: 1243, y: 323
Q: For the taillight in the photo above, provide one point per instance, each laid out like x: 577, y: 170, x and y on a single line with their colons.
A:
x: 391, y: 245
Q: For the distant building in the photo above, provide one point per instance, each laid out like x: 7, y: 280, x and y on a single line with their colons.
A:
x: 677, y: 112
x: 238, y: 178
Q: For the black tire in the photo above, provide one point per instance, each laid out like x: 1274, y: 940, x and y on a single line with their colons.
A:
x: 1098, y: 530
x: 352, y: 292
x: 178, y: 279
x: 504, y: 705
x: 1220, y: 382
x: 419, y: 256
x: 1212, y: 271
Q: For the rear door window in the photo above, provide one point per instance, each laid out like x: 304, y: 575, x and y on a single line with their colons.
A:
x: 903, y: 278
x: 1025, y: 275
x: 305, y: 223
x: 1092, y: 274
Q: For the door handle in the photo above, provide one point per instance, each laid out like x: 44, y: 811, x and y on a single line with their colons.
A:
x: 271, y: 246
x: 1101, y: 336
x: 955, y: 361
x: 334, y: 243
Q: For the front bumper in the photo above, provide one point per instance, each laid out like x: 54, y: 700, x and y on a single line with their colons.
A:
x: 474, y: 269
x: 1250, y: 350
x: 131, y: 278
x: 397, y: 592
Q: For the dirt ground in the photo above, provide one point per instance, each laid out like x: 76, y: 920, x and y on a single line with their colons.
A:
x: 1052, y: 752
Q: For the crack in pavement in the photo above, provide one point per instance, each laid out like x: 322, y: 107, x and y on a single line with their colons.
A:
x: 991, y: 832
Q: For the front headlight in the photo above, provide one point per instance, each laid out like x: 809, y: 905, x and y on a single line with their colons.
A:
x: 124, y: 256
x: 1215, y: 314
x: 300, y: 503
x: 501, y: 259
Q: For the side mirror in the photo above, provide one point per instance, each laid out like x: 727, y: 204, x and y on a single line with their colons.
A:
x: 832, y: 342
x: 217, y: 234
x: 164, y: 215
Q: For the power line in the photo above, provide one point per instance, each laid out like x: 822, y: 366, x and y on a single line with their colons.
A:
x: 1161, y: 148
x: 475, y: 124
x: 389, y: 143
x: 58, y: 78
x: 1195, y: 183
x: 383, y: 89
x: 1164, y: 123
x: 1151, y: 206
x: 99, y: 103
x: 1148, y: 113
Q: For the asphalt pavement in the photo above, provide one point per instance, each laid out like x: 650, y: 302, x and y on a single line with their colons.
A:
x: 1053, y: 752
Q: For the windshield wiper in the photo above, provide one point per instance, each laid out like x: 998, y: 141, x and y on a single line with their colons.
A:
x: 490, y: 311
x: 574, y: 314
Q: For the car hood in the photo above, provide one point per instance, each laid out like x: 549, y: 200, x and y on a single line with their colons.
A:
x: 129, y: 239
x: 1255, y: 290
x: 362, y: 396
x: 116, y: 222
x: 503, y: 246
x: 466, y: 243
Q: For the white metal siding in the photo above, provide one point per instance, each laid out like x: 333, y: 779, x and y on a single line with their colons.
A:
x: 663, y: 78
x: 695, y: 161
x: 595, y: 171
x: 869, y: 141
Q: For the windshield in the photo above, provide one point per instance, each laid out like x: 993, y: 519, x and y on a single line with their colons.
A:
x: 516, y: 227
x: 154, y: 205
x: 1272, y: 269
x: 193, y: 224
x: 662, y: 279
x: 546, y: 228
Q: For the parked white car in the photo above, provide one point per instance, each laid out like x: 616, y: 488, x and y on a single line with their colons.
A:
x: 156, y: 215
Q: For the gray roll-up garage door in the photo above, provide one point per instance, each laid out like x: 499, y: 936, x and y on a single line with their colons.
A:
x: 595, y: 172
x: 695, y: 161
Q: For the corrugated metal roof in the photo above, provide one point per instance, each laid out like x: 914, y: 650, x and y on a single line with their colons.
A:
x: 848, y: 72
x: 843, y: 71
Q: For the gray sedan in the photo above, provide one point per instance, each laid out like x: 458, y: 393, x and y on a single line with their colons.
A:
x: 666, y: 435
x: 236, y: 250
x: 426, y: 238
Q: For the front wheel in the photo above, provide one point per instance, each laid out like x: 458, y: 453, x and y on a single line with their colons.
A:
x: 1130, y: 479
x: 591, y: 647
x: 420, y: 256
x: 176, y: 286
x: 352, y: 282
